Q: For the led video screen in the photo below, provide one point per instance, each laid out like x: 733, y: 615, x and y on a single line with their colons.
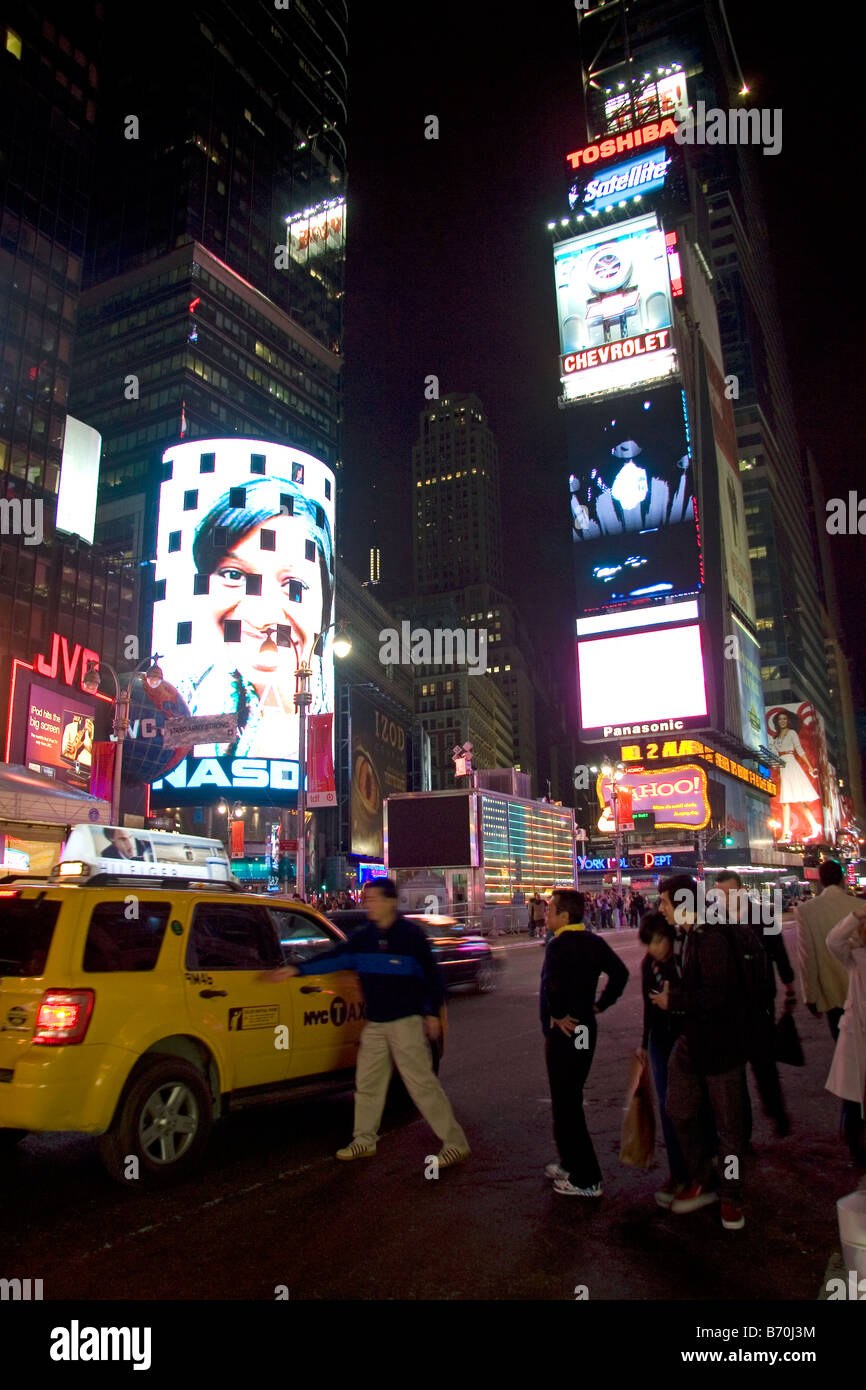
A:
x: 641, y: 683
x: 633, y: 517
x: 244, y: 583
x: 613, y: 296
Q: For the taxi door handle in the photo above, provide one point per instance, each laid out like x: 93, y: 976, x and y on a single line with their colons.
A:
x: 212, y: 993
x: 311, y: 989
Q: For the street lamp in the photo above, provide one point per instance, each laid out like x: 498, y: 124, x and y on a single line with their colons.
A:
x: 615, y: 773
x: 90, y: 682
x: 303, y: 699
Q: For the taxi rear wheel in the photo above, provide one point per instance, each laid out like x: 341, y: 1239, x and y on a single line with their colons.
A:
x: 10, y: 1137
x: 163, y: 1123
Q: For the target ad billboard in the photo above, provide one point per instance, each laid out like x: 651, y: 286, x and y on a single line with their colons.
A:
x: 613, y: 296
x: 244, y: 584
x: 633, y: 511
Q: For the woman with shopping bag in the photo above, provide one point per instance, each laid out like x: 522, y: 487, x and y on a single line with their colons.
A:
x: 660, y: 1031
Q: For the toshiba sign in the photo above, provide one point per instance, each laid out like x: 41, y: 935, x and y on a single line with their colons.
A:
x: 630, y: 140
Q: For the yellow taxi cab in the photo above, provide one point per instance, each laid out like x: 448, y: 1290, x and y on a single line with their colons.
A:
x: 135, y: 1002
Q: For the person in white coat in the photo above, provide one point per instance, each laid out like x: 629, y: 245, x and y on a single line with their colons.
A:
x: 847, y: 942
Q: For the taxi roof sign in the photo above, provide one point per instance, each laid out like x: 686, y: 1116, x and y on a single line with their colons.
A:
x: 133, y: 853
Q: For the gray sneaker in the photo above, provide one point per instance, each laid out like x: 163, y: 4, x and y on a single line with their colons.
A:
x: 555, y: 1170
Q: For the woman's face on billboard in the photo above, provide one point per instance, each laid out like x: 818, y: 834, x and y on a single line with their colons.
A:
x: 291, y: 594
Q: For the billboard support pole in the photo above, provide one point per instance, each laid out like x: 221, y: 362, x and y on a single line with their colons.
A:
x: 303, y: 699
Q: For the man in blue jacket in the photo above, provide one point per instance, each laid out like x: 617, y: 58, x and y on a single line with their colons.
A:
x: 403, y: 995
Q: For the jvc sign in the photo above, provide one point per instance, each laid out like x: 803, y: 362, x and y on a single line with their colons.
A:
x: 196, y: 781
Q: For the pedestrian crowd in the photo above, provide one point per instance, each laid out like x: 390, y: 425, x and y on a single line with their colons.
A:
x: 709, y: 994
x: 708, y: 982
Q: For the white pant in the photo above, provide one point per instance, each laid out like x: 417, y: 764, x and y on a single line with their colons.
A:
x: 401, y: 1043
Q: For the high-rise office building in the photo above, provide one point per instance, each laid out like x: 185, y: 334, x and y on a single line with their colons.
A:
x: 50, y: 99
x: 645, y: 62
x: 455, y: 494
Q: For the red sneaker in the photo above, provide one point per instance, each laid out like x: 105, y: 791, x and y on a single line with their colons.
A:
x: 692, y: 1199
x: 732, y: 1217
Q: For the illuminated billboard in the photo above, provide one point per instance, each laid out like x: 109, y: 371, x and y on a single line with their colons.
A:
x: 608, y: 188
x: 244, y: 584
x: 638, y: 683
x: 79, y: 479
x: 613, y: 296
x: 378, y: 745
x: 666, y: 96
x: 807, y: 805
x: 676, y: 795
x: 60, y: 732
x: 317, y: 229
x: 633, y: 516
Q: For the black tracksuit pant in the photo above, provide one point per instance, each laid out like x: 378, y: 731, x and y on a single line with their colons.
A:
x: 568, y: 1069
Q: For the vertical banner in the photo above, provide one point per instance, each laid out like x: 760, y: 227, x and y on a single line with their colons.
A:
x: 273, y: 856
x: 321, y: 790
x: 378, y: 759
x: 102, y: 770
x: 237, y: 839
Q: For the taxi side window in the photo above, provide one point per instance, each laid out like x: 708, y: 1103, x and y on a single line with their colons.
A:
x: 226, y: 936
x: 302, y: 938
x: 117, y: 942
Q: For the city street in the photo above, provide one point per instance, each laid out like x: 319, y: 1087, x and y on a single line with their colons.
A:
x: 272, y: 1208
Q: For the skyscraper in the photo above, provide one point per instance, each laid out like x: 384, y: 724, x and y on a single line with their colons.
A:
x: 214, y: 279
x: 644, y: 61
x: 455, y: 487
x: 50, y: 93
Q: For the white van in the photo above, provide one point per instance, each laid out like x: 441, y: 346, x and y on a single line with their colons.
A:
x: 113, y: 849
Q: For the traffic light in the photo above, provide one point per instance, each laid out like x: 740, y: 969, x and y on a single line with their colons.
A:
x: 729, y: 839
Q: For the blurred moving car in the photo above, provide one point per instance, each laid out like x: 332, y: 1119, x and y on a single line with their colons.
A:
x: 463, y: 957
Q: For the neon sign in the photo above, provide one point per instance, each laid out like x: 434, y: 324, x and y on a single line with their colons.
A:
x: 624, y: 180
x: 616, y: 352
x: 633, y: 861
x: 631, y: 139
x: 60, y: 652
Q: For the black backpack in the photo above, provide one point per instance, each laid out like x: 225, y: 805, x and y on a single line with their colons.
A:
x: 754, y: 968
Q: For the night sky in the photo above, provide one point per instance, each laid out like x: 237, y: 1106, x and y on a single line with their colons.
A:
x: 449, y: 266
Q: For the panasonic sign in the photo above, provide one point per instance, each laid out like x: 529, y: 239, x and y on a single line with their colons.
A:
x: 625, y: 181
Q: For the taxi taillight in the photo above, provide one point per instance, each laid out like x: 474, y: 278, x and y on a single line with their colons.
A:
x: 63, y: 1017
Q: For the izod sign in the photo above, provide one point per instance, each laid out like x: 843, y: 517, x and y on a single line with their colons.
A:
x: 630, y: 140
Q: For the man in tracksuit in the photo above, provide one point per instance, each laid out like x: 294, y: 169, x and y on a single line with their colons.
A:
x: 574, y: 958
x: 403, y: 994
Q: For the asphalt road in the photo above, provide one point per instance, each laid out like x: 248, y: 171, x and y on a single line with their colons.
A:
x: 272, y: 1208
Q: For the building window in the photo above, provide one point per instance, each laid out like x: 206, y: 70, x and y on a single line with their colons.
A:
x: 231, y: 630
x: 200, y: 583
x: 13, y: 43
x: 184, y: 634
x: 173, y: 541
